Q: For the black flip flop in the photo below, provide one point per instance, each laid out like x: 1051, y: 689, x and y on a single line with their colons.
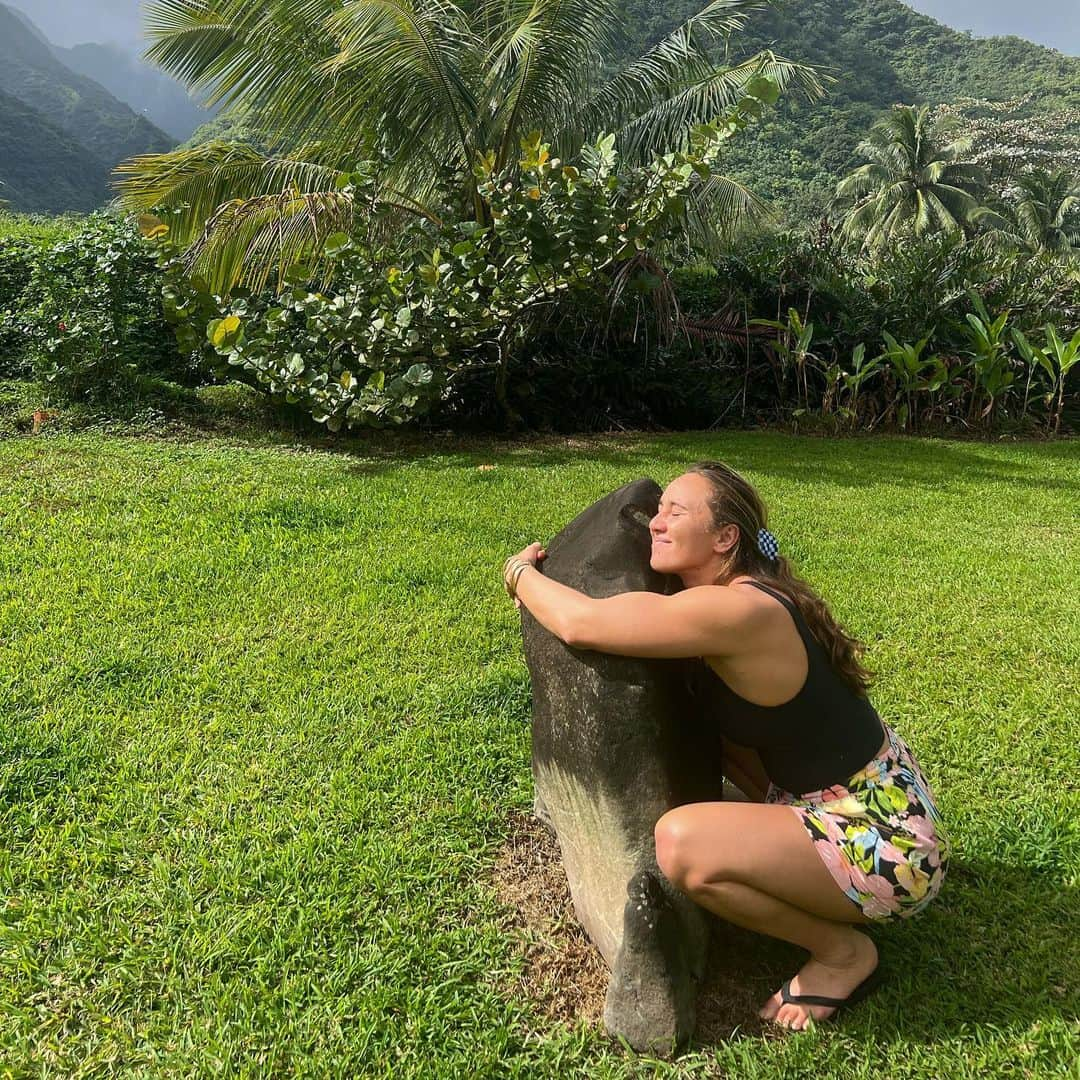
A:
x: 856, y: 995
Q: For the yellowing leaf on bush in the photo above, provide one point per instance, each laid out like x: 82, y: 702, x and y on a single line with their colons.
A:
x: 152, y: 226
x: 224, y: 333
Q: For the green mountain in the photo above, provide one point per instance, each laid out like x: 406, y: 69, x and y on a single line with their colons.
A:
x: 42, y: 170
x: 162, y: 100
x: 880, y: 53
x: 31, y: 72
x: 61, y: 133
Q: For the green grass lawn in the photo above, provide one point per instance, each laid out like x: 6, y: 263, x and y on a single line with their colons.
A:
x: 263, y: 724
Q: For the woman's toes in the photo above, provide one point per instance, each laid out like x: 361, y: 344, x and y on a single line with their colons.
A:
x: 795, y: 1017
x: 788, y: 1016
x: 771, y: 1007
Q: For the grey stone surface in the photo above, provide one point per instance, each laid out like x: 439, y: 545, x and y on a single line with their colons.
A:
x: 651, y: 994
x: 617, y: 741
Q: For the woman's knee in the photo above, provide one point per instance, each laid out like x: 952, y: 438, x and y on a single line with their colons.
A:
x: 677, y: 854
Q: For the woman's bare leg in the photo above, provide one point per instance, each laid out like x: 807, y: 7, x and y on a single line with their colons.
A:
x: 755, y: 866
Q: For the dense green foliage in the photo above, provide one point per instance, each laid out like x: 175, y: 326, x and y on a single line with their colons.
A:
x: 23, y: 244
x: 82, y: 311
x: 440, y: 97
x: 485, y: 302
x: 264, y: 732
x: 836, y: 309
x: 60, y: 133
x: 452, y: 294
x: 39, y: 227
x: 880, y: 53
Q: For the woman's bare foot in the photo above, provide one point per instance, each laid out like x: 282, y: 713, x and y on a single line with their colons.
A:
x: 832, y: 974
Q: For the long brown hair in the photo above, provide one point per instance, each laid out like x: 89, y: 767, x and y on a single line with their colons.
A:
x: 734, y: 500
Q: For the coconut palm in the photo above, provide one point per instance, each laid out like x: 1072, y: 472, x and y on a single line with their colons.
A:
x: 916, y: 181
x: 434, y: 89
x: 1047, y: 210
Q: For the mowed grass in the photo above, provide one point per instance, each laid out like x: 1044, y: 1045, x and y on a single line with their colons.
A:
x: 264, y: 717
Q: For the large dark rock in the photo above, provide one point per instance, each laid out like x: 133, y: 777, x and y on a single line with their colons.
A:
x: 617, y: 741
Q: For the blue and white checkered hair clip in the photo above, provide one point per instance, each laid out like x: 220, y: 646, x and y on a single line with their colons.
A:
x: 767, y: 545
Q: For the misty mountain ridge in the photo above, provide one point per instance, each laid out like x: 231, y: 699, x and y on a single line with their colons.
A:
x: 53, y: 118
x: 42, y: 170
x: 71, y: 22
x: 108, y: 48
x: 162, y: 100
x: 31, y: 72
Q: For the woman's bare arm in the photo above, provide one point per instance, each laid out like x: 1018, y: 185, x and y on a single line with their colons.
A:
x: 708, y: 620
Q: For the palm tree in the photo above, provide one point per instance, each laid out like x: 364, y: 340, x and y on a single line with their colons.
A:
x: 1046, y: 210
x: 434, y: 89
x: 915, y: 181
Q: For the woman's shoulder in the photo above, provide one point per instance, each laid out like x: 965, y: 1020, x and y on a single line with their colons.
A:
x: 761, y: 591
x: 753, y: 615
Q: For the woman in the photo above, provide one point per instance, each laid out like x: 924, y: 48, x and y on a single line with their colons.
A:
x: 842, y: 828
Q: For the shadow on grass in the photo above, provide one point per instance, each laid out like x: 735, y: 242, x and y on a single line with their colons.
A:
x: 852, y: 462
x: 998, y: 949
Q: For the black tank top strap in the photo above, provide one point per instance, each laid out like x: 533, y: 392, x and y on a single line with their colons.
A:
x: 776, y: 594
x: 800, y: 623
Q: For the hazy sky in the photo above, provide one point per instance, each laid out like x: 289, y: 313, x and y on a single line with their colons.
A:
x: 1049, y: 22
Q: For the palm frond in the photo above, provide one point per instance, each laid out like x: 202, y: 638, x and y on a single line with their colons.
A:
x: 667, y: 123
x: 663, y: 69
x: 198, y: 180
x: 246, y: 241
x: 719, y: 208
x: 424, y: 85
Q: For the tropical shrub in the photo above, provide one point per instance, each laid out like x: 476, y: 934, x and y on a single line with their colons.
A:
x: 91, y: 315
x: 22, y: 238
x: 17, y: 258
x: 389, y: 332
x: 919, y: 333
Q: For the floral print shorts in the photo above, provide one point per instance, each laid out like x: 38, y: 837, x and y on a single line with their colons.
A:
x: 880, y: 835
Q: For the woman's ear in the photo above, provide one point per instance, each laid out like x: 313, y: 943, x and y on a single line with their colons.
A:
x: 727, y: 536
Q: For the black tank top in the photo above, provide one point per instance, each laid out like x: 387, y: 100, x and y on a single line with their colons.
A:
x: 825, y: 734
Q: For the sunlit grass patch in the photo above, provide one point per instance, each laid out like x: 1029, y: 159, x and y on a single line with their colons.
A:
x: 264, y: 730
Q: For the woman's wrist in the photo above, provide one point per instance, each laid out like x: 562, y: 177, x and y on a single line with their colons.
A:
x: 516, y: 565
x: 512, y: 572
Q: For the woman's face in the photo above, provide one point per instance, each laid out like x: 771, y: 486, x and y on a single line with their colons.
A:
x: 683, y: 535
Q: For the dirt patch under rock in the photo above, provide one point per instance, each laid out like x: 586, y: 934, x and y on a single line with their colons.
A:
x: 566, y: 977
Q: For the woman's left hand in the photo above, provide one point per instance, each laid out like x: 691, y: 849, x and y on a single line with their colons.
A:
x: 533, y: 554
